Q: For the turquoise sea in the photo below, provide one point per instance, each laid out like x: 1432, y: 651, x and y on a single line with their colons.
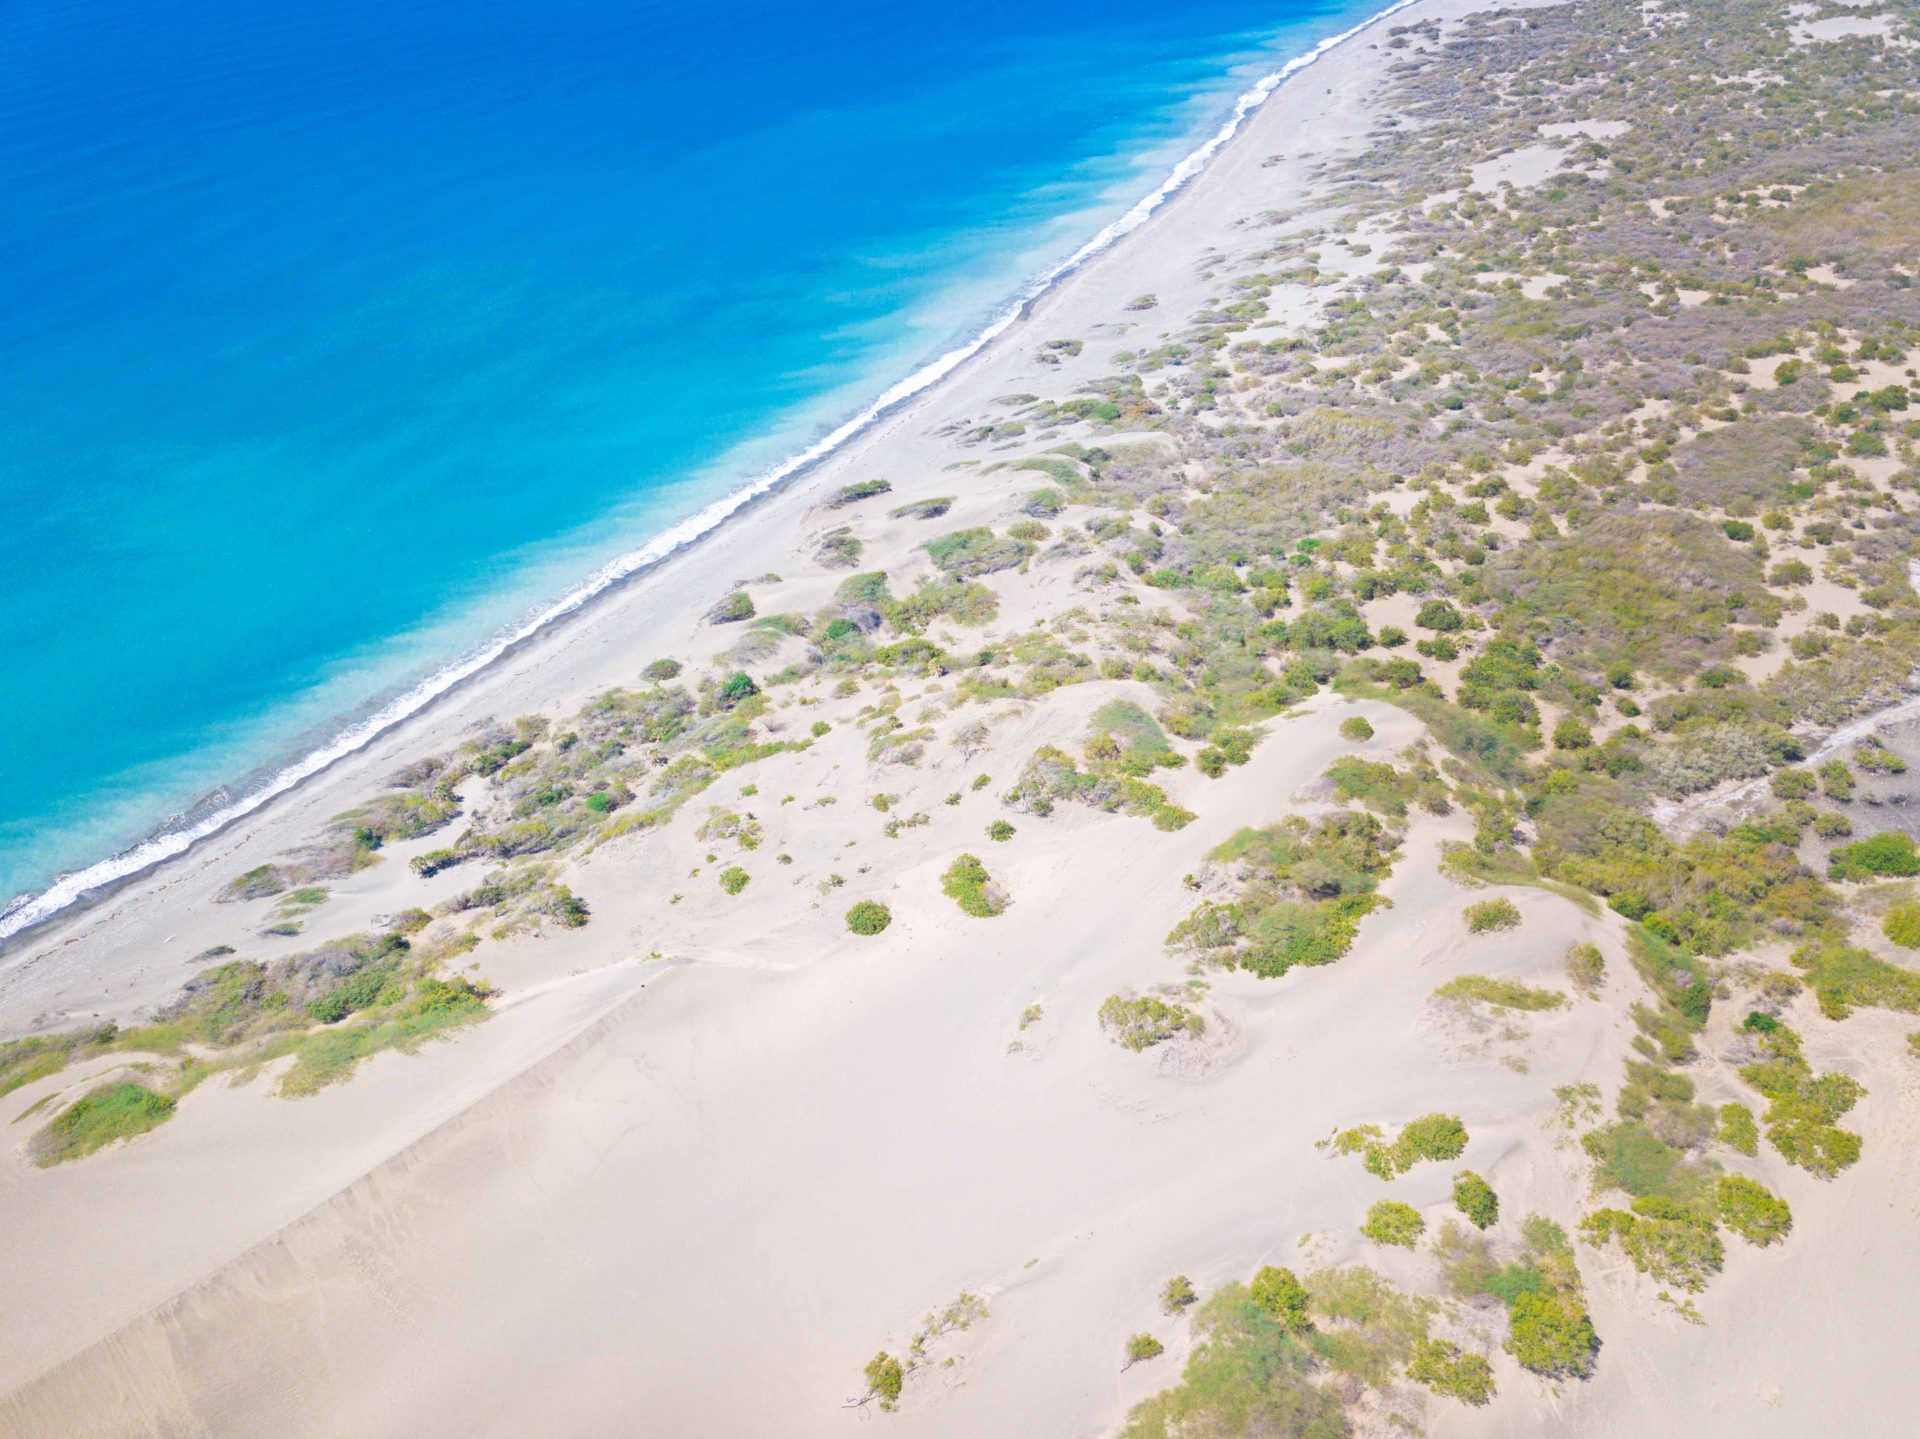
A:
x: 340, y: 339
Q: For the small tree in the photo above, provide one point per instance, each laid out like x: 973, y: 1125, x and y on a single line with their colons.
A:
x: 1280, y: 1294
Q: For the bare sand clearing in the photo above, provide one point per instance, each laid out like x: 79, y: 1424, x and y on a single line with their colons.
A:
x: 710, y: 1155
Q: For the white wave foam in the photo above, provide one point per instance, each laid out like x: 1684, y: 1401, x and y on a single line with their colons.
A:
x: 28, y: 910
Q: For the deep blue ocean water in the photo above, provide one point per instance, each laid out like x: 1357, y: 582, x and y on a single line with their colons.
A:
x: 336, y: 336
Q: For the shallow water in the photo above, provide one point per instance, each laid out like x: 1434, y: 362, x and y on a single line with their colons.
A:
x: 339, y: 337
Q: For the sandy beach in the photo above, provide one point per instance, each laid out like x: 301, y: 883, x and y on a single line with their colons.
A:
x: 710, y: 1152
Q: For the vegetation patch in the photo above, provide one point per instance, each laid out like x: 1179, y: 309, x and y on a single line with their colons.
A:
x: 1500, y: 993
x: 967, y: 883
x: 869, y: 917
x: 1391, y: 1222
x: 1490, y: 915
x: 1475, y: 1199
x: 1142, y: 1021
x: 1803, y: 1107
x: 1304, y: 888
x: 1430, y: 1137
x: 105, y: 1113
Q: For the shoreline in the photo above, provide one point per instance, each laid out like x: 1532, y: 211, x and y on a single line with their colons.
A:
x: 76, y: 890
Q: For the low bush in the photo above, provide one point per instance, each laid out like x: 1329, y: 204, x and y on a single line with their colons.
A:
x: 885, y: 1379
x: 1142, y: 1021
x: 1586, y: 968
x: 1890, y: 854
x: 1737, y: 1129
x: 1246, y: 1375
x: 869, y: 917
x: 1142, y: 1347
x: 1475, y: 1199
x: 1803, y: 1107
x: 1671, y: 1242
x: 1902, y: 925
x: 1751, y: 1210
x: 732, y: 609
x: 1550, y: 1334
x: 105, y: 1113
x: 1430, y: 1137
x: 1447, y: 1369
x: 1177, y: 1294
x: 1356, y: 728
x: 1490, y: 915
x: 1281, y: 1296
x: 1391, y: 1222
x: 967, y: 883
x: 1500, y: 993
x: 857, y: 491
x: 733, y: 879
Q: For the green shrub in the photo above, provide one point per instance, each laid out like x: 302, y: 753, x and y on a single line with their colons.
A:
x: 1306, y: 888
x: 1793, y: 784
x: 1501, y: 993
x: 1551, y: 1334
x: 1491, y: 914
x: 1892, y: 853
x: 1142, y: 1347
x: 1356, y: 728
x: 1177, y: 1294
x: 1391, y: 1222
x: 660, y: 671
x: 732, y: 609
x: 1246, y: 1375
x: 1803, y: 1107
x: 1628, y: 1155
x: 1668, y: 1241
x: 1572, y: 734
x: 1143, y: 1021
x: 105, y: 1113
x: 1440, y: 616
x: 1000, y: 831
x: 968, y: 553
x: 968, y: 885
x: 1432, y: 1136
x: 260, y: 882
x: 1448, y: 1369
x: 1281, y: 1296
x: 1837, y: 781
x: 1902, y: 925
x: 1737, y: 1129
x: 1586, y: 967
x: 885, y: 1378
x: 869, y: 917
x: 733, y: 879
x: 1751, y: 1210
x: 857, y: 491
x: 1842, y: 976
x: 1475, y: 1199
